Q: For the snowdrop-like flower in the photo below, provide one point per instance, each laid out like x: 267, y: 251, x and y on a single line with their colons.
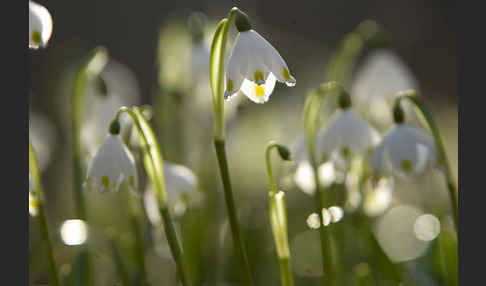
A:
x: 33, y: 202
x: 111, y: 167
x: 377, y: 82
x: 347, y: 135
x: 254, y: 65
x: 40, y: 26
x: 180, y: 181
x: 404, y: 151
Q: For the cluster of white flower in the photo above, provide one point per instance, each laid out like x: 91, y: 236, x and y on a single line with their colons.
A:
x: 404, y: 150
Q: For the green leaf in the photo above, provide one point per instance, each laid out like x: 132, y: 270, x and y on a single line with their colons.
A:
x: 216, y: 75
x: 153, y: 157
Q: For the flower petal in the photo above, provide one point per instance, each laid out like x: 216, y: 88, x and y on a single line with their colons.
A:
x: 112, y: 166
x: 40, y: 25
x: 272, y: 59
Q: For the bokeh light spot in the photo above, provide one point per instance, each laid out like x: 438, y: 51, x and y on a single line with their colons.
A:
x: 74, y: 232
x: 313, y: 221
x: 427, y: 227
x: 337, y: 213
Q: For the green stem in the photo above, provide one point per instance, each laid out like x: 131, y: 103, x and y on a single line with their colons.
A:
x: 286, y: 270
x: 216, y: 73
x: 139, y: 249
x: 414, y: 97
x: 273, y: 186
x: 39, y: 194
x: 235, y: 228
x: 120, y: 266
x: 90, y: 67
x: 324, y: 233
x: 174, y: 244
x: 367, y: 34
x: 311, y: 115
x: 278, y: 216
x: 154, y: 166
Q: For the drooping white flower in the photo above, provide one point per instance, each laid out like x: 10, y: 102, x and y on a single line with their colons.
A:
x: 111, y: 167
x: 33, y: 202
x: 254, y: 67
x: 404, y: 151
x: 180, y: 181
x: 40, y: 26
x: 346, y: 135
x: 378, y: 80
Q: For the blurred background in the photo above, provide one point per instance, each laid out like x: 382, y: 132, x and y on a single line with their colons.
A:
x: 158, y: 57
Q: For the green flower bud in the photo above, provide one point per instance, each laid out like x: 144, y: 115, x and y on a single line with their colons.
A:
x: 398, y: 114
x: 242, y: 22
x: 344, y: 100
x: 115, y: 127
x: 284, y: 152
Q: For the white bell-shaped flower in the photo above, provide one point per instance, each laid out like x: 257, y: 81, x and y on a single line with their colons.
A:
x: 404, y: 151
x: 376, y: 84
x: 178, y: 179
x: 180, y: 182
x: 346, y: 135
x: 40, y: 26
x: 33, y: 201
x: 111, y: 167
x: 254, y: 67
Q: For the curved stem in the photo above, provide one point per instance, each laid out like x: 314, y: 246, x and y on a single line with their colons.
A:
x: 311, y: 113
x: 278, y: 219
x: 154, y: 166
x: 39, y: 193
x: 216, y: 72
x: 273, y: 186
x: 414, y: 97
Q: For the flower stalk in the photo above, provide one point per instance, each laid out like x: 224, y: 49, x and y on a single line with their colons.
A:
x: 230, y: 204
x: 426, y: 115
x: 90, y: 67
x: 368, y: 34
x: 154, y: 166
x: 278, y: 216
x: 217, y: 72
x: 311, y: 115
x: 39, y: 193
